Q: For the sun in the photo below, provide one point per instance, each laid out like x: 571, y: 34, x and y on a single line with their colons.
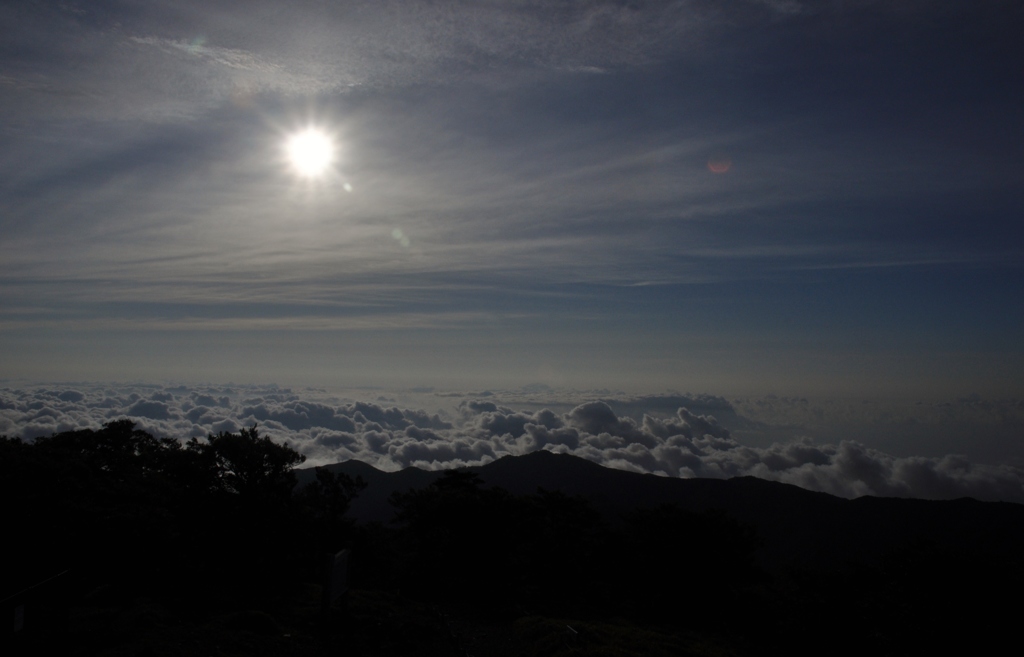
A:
x: 310, y: 152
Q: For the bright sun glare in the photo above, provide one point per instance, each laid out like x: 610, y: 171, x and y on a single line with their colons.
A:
x: 310, y: 152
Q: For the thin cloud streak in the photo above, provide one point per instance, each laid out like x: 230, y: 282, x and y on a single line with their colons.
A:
x: 293, y: 322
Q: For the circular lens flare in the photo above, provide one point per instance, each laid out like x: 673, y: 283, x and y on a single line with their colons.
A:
x: 310, y: 152
x: 719, y: 164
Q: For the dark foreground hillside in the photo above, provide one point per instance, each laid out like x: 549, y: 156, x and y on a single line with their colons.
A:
x: 797, y: 528
x: 122, y: 544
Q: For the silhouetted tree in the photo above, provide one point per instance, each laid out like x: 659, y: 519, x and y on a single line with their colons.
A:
x: 324, y: 503
x: 455, y: 530
x: 565, y: 549
x: 118, y: 503
x: 249, y: 465
x: 244, y: 525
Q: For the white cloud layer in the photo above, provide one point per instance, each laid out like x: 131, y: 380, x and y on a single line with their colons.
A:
x: 480, y: 429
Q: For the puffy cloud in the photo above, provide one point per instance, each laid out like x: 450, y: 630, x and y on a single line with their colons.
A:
x: 594, y: 417
x: 71, y: 396
x: 681, y: 444
x: 149, y: 409
x: 209, y: 400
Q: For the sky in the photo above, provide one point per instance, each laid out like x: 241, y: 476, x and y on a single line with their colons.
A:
x: 761, y: 199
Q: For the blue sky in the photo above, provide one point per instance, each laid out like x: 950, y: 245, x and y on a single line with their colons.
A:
x: 521, y: 195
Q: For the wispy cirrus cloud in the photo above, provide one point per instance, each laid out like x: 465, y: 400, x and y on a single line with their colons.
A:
x: 173, y: 60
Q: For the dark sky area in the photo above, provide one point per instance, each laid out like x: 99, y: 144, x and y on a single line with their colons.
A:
x: 743, y: 197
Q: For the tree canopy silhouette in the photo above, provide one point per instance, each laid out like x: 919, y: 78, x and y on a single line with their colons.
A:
x: 247, y: 464
x: 218, y: 512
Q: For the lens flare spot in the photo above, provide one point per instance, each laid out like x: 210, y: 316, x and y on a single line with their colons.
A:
x: 401, y: 237
x: 719, y: 164
x: 195, y: 46
x: 310, y: 152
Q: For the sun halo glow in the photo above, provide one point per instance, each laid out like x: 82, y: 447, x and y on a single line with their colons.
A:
x: 310, y: 152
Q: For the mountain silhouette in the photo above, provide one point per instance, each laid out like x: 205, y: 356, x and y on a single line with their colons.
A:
x: 798, y: 528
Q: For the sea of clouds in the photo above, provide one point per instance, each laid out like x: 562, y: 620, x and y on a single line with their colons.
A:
x: 476, y: 428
